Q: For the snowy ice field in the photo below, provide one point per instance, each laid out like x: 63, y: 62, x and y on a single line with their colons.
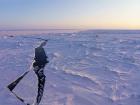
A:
x: 86, y: 68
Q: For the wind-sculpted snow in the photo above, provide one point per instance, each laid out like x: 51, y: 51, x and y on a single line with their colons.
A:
x: 85, y: 68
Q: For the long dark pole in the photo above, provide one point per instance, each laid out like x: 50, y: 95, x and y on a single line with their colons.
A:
x: 12, y: 85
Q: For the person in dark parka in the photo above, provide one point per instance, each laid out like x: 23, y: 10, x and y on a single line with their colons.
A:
x: 39, y: 64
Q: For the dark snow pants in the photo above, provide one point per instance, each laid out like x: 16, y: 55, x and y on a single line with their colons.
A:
x: 41, y: 83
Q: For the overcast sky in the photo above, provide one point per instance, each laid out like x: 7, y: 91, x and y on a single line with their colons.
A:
x: 96, y: 14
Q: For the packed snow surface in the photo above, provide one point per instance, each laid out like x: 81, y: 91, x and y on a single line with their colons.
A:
x: 85, y: 68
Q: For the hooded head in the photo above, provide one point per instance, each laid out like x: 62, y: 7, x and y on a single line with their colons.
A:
x: 43, y: 43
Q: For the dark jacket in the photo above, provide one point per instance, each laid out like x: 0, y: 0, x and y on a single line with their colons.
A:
x: 40, y: 57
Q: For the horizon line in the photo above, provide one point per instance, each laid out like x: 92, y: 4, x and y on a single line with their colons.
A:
x: 50, y: 29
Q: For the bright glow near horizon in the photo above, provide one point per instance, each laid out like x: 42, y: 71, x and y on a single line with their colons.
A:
x: 100, y: 14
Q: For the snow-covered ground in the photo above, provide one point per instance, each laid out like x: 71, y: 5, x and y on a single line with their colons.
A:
x: 86, y: 68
